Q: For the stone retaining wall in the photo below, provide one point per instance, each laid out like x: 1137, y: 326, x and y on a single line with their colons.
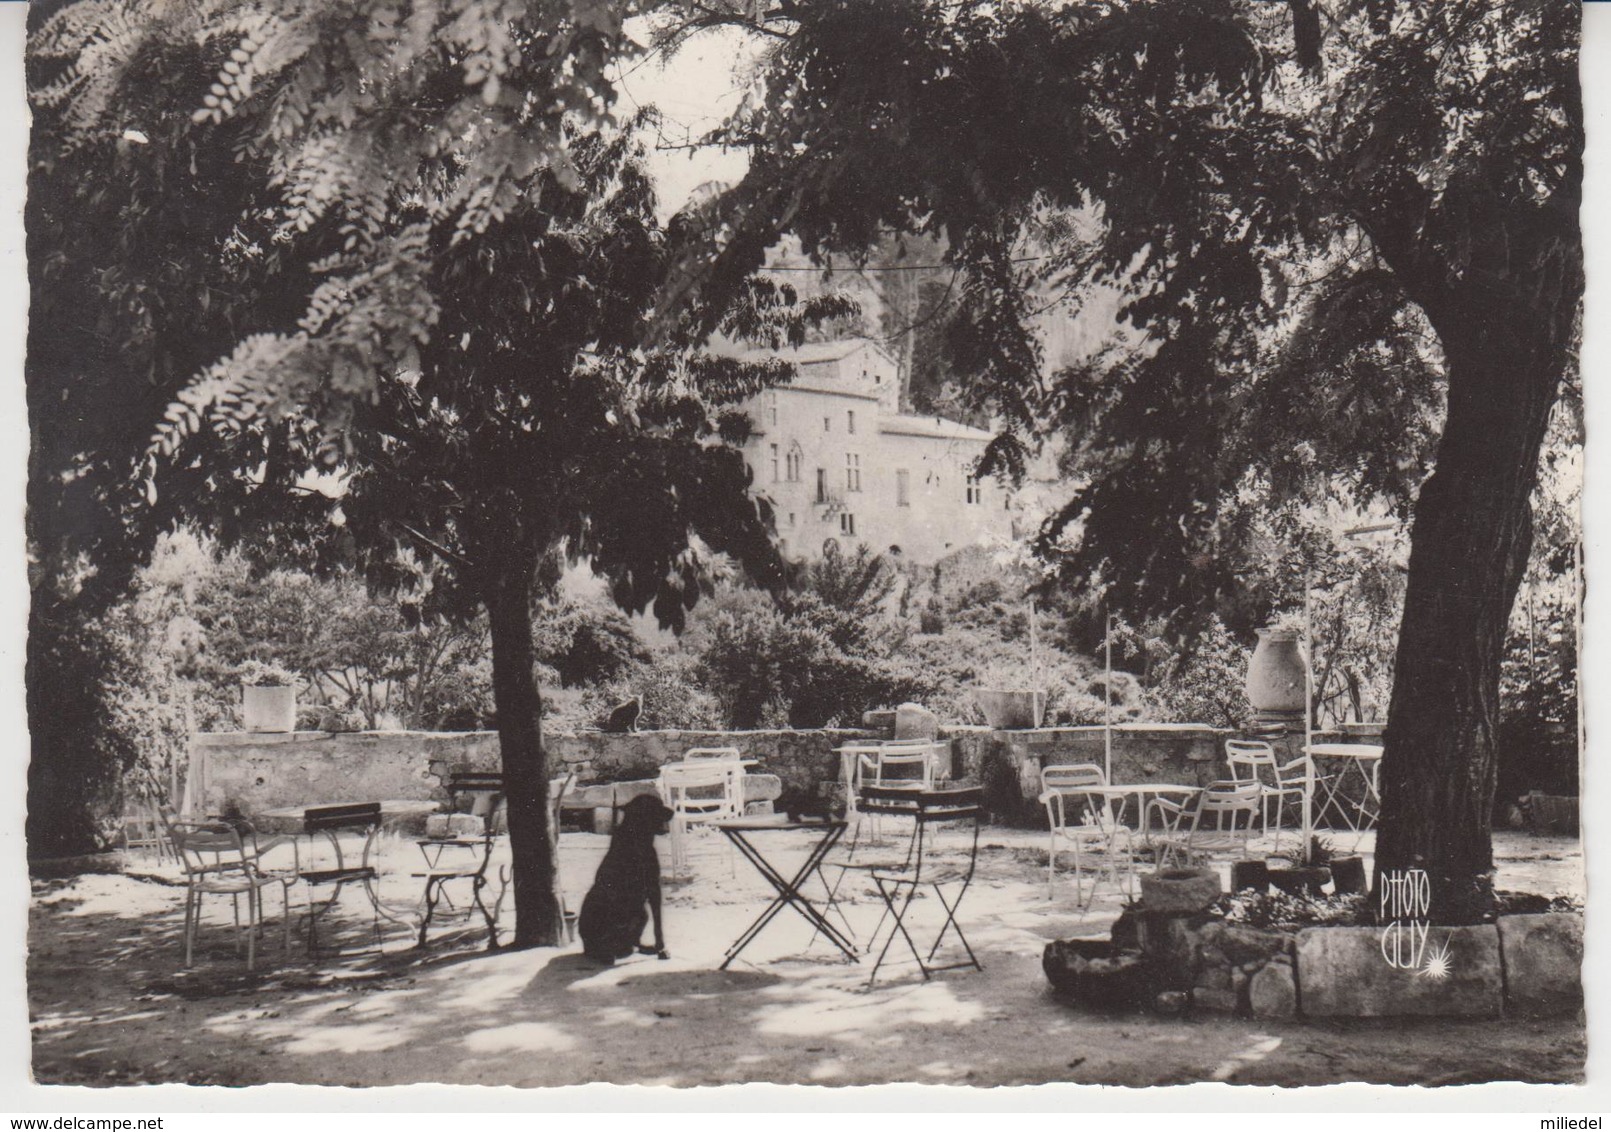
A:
x: 262, y: 771
x: 1525, y: 965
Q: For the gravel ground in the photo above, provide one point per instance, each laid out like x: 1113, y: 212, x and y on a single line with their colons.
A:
x: 110, y: 1004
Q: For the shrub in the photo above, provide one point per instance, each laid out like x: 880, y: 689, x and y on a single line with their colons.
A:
x: 673, y: 698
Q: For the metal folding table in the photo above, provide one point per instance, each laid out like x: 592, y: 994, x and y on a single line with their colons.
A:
x: 790, y: 890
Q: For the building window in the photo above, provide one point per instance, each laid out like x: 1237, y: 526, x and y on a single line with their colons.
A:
x: 827, y: 424
x: 903, y: 487
x: 822, y: 485
x: 975, y: 492
x: 852, y: 471
x: 791, y: 464
x: 775, y: 465
x: 850, y: 421
x: 847, y: 523
x: 791, y: 518
x: 772, y: 413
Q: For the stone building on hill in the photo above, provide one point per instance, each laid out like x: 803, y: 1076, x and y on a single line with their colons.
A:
x: 842, y: 466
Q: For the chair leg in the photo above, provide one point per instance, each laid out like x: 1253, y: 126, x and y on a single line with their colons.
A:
x: 952, y: 925
x: 192, y: 898
x: 477, y: 884
x: 252, y: 908
x: 897, y: 914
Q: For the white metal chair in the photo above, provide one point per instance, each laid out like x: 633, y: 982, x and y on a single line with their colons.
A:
x: 1087, y: 822
x: 1253, y: 760
x: 219, y: 860
x: 698, y: 793
x: 904, y: 762
x: 1234, y: 807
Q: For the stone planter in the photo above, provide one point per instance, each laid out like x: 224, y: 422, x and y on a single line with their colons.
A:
x: 1093, y: 973
x: 1179, y: 891
x: 1011, y: 710
x: 1275, y: 681
x: 1301, y: 881
x: 270, y: 709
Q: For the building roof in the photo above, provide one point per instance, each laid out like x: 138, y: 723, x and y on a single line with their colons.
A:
x: 826, y: 390
x: 816, y: 351
x: 932, y: 426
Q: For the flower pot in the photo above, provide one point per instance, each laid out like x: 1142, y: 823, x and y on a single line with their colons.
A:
x: 268, y: 708
x: 1275, y: 674
x: 1011, y: 710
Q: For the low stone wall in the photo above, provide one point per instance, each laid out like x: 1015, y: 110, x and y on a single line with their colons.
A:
x: 1524, y: 965
x: 263, y: 771
x: 260, y: 771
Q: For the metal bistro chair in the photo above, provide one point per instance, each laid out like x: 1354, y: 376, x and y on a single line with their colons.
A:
x: 224, y: 860
x: 898, y: 886
x: 1087, y: 823
x: 462, y: 857
x: 1234, y: 807
x: 1252, y: 760
x: 331, y: 822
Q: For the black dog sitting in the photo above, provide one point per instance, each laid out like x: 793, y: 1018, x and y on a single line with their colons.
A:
x: 626, y: 889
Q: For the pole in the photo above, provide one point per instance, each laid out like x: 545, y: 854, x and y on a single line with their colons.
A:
x: 1107, y: 694
x: 1308, y: 720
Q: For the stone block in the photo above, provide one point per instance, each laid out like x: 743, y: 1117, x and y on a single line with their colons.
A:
x: 454, y: 825
x: 1179, y: 890
x: 1170, y: 1003
x: 1243, y: 945
x: 1212, y: 977
x: 1543, y: 957
x: 1273, y: 993
x: 1345, y: 973
x: 1250, y: 874
x: 880, y: 720
x: 1219, y: 1001
x: 914, y: 721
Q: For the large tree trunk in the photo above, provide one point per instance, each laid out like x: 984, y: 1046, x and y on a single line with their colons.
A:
x: 1469, y: 549
x: 538, y: 921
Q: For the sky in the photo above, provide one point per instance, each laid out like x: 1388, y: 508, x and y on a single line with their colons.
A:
x: 694, y: 90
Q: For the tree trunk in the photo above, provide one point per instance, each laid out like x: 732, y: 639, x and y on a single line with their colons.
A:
x: 538, y: 921
x: 1469, y: 548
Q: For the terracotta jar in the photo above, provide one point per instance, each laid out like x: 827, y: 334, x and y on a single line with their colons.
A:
x: 1275, y: 675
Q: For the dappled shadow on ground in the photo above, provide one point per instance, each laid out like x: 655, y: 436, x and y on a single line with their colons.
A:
x: 111, y: 1005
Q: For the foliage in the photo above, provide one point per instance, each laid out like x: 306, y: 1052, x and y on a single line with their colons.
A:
x: 1201, y: 682
x: 1280, y: 911
x: 674, y: 697
x: 1537, y: 740
x: 129, y: 746
x: 769, y: 670
x: 1276, y: 348
x: 257, y: 674
x: 584, y: 643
